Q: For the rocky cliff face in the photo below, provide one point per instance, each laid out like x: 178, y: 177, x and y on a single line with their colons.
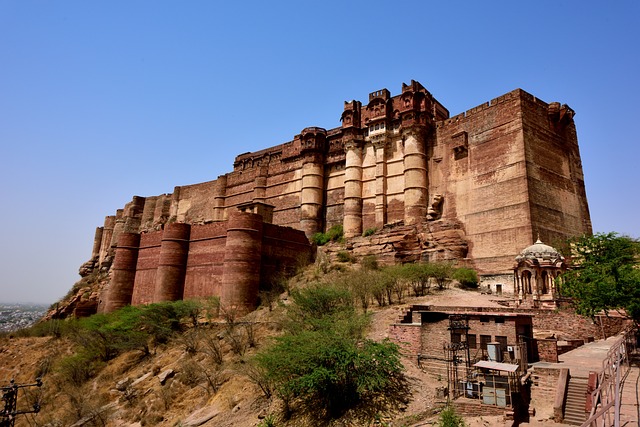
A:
x: 441, y: 240
x: 82, y: 299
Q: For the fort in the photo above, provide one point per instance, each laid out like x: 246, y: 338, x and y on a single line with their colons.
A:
x: 477, y: 187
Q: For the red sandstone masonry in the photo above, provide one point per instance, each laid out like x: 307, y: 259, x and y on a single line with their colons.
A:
x: 227, y: 259
x: 172, y: 264
x: 124, y: 271
x: 146, y: 268
x: 507, y: 169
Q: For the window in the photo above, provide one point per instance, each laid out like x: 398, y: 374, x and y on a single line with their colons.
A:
x: 484, y: 319
x: 456, y: 338
x: 471, y: 341
x: 503, y: 342
x: 484, y: 340
x: 499, y: 319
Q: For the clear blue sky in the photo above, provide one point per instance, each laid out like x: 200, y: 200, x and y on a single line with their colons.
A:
x: 100, y: 101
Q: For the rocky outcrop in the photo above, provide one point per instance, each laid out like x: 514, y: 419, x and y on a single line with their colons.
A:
x: 440, y: 240
x: 82, y: 300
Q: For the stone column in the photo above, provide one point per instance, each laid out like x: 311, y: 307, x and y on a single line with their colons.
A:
x: 107, y: 234
x: 415, y: 175
x: 148, y: 213
x: 536, y: 288
x: 352, y: 220
x: 118, y: 227
x: 219, y: 193
x: 260, y: 184
x: 311, y: 196
x: 242, y: 261
x: 172, y: 265
x: 380, y: 144
x: 97, y: 243
x: 124, y: 272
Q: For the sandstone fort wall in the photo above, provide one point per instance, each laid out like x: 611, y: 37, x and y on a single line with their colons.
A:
x: 481, y: 185
x: 228, y: 259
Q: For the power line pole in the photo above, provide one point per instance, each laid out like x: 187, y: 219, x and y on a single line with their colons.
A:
x: 10, y: 398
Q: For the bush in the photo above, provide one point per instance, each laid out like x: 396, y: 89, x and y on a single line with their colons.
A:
x: 370, y: 262
x: 344, y: 256
x: 369, y: 231
x: 77, y: 369
x: 467, y: 277
x: 449, y: 418
x: 325, y: 366
x: 334, y: 234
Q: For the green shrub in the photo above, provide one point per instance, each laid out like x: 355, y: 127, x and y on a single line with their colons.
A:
x: 449, y: 418
x: 369, y: 231
x: 326, y: 367
x: 77, y: 369
x: 344, y: 256
x: 268, y: 421
x: 369, y: 262
x: 467, y: 277
x: 334, y: 234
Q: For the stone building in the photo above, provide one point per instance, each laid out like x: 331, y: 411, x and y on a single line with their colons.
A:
x: 477, y: 186
x: 535, y: 273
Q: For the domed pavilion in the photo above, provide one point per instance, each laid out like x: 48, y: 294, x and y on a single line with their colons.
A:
x: 535, y: 273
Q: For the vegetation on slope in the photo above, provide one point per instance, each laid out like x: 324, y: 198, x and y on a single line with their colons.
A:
x: 323, y: 365
x: 156, y: 364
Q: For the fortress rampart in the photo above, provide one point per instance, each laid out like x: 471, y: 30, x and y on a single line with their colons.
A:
x: 229, y: 259
x: 487, y: 182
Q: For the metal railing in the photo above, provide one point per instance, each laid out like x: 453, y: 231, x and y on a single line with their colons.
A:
x: 605, y: 399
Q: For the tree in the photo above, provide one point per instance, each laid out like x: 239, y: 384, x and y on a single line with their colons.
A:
x: 606, y: 275
x: 326, y: 367
x: 467, y: 277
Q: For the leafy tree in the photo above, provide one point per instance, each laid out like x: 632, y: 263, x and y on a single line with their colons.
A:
x: 441, y: 273
x: 326, y: 367
x: 419, y: 275
x: 467, y: 277
x: 606, y: 275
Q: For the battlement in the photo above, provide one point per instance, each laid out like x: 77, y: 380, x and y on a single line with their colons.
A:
x: 382, y: 93
x: 514, y: 95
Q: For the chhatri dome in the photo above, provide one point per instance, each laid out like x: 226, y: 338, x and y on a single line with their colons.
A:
x: 540, y: 252
x: 535, y: 273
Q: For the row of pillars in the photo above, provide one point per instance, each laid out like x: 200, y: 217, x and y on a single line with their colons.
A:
x: 535, y: 284
x: 415, y: 181
x: 241, y: 268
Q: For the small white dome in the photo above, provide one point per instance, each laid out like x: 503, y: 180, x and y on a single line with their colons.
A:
x: 541, y: 252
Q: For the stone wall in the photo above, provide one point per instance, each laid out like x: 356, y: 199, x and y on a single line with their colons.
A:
x: 478, y: 186
x: 544, y: 382
x: 547, y: 350
x: 228, y: 259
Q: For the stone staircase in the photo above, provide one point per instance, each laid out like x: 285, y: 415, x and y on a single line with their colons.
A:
x: 575, y: 401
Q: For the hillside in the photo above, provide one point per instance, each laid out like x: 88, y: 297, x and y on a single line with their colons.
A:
x: 180, y: 383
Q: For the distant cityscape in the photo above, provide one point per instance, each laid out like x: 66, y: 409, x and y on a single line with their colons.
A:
x: 18, y: 316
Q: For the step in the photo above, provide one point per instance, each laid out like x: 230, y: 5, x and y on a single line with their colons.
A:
x: 574, y: 405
